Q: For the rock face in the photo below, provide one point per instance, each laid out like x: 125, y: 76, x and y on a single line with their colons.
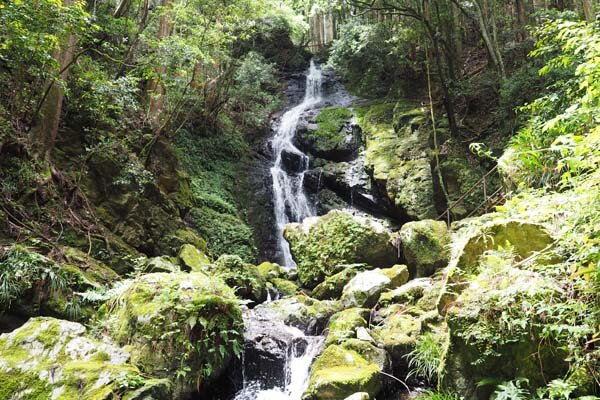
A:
x: 320, y: 244
x: 331, y: 135
x: 364, y: 289
x: 173, y: 321
x: 339, y: 373
x: 397, y: 156
x: 426, y: 246
x: 51, y: 358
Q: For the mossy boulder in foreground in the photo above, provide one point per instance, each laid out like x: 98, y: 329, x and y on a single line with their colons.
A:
x: 364, y: 289
x: 339, y: 373
x: 425, y: 245
x: 51, y: 358
x: 320, y: 244
x: 183, y: 326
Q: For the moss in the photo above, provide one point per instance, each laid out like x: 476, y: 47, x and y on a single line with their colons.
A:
x: 398, y: 333
x: 172, y: 317
x: 321, y: 245
x: 285, y: 287
x: 426, y: 246
x: 397, y: 155
x: 332, y: 286
x: 343, y: 325
x: 330, y: 133
x: 339, y: 373
x: 193, y: 258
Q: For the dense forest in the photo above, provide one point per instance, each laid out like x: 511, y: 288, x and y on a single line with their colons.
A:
x: 299, y: 200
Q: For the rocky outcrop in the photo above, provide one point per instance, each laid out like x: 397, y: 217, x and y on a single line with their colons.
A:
x: 52, y: 358
x: 332, y: 286
x: 319, y: 245
x: 175, y: 321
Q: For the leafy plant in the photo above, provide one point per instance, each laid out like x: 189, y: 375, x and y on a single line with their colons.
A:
x: 424, y: 361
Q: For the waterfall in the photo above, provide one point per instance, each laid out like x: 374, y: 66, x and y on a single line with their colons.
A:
x: 290, y: 201
x: 300, y: 350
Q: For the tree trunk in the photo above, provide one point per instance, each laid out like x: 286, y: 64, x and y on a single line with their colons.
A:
x: 589, y: 12
x: 156, y: 90
x: 46, y: 129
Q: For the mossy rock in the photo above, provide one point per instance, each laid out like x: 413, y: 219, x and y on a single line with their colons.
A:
x: 269, y: 270
x: 332, y: 286
x: 244, y: 278
x: 343, y: 325
x: 369, y: 352
x: 339, y: 373
x: 320, y: 244
x: 480, y: 343
x: 303, y: 312
x: 408, y: 293
x: 398, y: 157
x: 192, y: 258
x: 365, y: 288
x: 92, y: 271
x: 162, y: 264
x: 334, y: 137
x: 398, y: 333
x: 170, y: 317
x: 51, y: 358
x: 285, y: 287
x: 426, y: 246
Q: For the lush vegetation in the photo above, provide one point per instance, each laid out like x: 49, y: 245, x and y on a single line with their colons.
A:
x: 129, y: 245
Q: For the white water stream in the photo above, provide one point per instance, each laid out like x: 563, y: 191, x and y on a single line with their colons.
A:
x: 290, y: 200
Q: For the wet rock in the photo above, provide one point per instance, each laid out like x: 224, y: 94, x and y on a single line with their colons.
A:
x: 302, y: 312
x: 320, y: 244
x: 426, y: 246
x: 339, y: 373
x: 364, y: 289
x: 52, y: 358
x: 162, y: 264
x: 358, y: 396
x: 332, y: 286
x: 285, y: 287
x: 294, y: 161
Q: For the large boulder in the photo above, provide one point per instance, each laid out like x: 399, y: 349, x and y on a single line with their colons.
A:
x: 175, y: 321
x: 51, y: 358
x: 426, y: 246
x: 302, y: 312
x: 398, y: 331
x: 320, y: 244
x: 246, y: 279
x: 408, y: 293
x: 339, y: 373
x: 364, y: 289
x: 497, y: 328
x: 193, y: 258
x: 332, y: 286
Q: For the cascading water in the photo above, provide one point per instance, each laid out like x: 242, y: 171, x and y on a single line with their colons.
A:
x: 290, y: 201
x: 294, y: 350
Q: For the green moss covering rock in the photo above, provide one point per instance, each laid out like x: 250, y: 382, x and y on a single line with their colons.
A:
x: 302, y: 312
x: 269, y: 270
x: 285, y: 287
x: 369, y: 352
x: 334, y: 137
x: 49, y: 358
x: 320, y: 244
x: 162, y: 264
x: 183, y: 326
x: 408, y: 293
x: 193, y: 258
x: 364, y: 289
x: 426, y: 246
x: 343, y: 325
x: 339, y: 373
x: 398, y: 333
x: 332, y: 286
x: 398, y: 157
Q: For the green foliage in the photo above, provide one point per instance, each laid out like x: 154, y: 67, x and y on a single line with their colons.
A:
x: 560, y: 141
x: 424, y: 361
x: 434, y: 395
x: 512, y: 390
x: 22, y: 270
x: 254, y: 94
x: 371, y: 56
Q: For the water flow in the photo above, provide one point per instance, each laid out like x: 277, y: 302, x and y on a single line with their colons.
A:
x: 290, y: 200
